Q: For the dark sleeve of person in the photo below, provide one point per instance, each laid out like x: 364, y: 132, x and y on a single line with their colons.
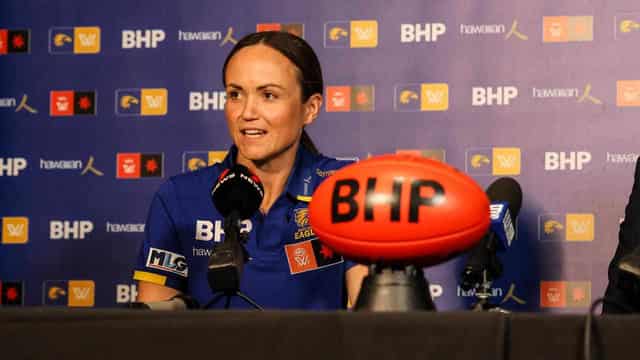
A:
x: 623, y: 291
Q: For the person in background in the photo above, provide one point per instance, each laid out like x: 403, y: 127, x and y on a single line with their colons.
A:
x: 274, y: 89
x: 623, y: 291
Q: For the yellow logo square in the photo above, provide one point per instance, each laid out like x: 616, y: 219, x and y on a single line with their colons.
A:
x: 15, y: 230
x: 580, y: 227
x: 364, y: 34
x: 154, y: 101
x: 216, y: 157
x: 506, y: 161
x: 435, y: 97
x: 81, y: 293
x: 86, y: 40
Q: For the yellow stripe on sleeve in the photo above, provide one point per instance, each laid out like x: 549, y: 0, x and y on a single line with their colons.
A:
x: 150, y: 277
x: 304, y: 198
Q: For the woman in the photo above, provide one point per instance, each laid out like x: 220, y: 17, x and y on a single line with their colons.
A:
x: 273, y: 82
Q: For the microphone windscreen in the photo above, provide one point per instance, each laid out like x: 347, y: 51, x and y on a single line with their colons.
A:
x: 506, y: 190
x: 238, y: 190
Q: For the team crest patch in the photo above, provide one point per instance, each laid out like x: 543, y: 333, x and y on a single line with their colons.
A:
x: 310, y: 255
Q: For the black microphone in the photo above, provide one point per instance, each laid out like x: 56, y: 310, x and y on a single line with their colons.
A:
x: 483, y: 265
x: 176, y: 303
x: 237, y: 195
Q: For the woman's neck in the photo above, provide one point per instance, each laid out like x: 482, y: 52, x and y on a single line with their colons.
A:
x: 273, y: 174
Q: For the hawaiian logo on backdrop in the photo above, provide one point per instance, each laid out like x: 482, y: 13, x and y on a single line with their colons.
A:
x: 581, y: 94
x: 496, y: 161
x: 421, y: 97
x: 561, y: 227
x: 74, y: 40
x: 17, y: 105
x: 351, y: 34
x: 506, y: 31
x: 221, y: 37
x: 350, y: 98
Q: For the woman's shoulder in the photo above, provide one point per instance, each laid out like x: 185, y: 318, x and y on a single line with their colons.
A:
x: 325, y: 166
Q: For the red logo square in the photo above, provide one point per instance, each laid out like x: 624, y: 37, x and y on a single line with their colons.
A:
x: 61, y: 103
x: 128, y: 166
x: 4, y: 36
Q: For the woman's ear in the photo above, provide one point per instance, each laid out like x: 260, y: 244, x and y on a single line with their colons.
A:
x: 312, y: 108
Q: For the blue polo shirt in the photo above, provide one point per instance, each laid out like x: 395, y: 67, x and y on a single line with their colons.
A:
x: 288, y: 267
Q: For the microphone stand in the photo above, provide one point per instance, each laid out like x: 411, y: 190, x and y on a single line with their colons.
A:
x: 484, y: 267
x: 394, y: 288
x: 226, y: 263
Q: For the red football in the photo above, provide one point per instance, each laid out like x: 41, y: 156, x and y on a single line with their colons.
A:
x: 399, y: 209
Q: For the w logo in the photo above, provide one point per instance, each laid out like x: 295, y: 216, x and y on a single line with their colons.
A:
x: 154, y: 102
x: 506, y: 161
x: 435, y: 97
x: 364, y: 34
x: 15, y: 230
x: 88, y: 39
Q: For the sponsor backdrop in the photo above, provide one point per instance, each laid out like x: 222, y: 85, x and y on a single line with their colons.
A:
x: 101, y: 102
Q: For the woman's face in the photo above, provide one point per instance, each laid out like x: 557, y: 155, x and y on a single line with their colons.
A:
x: 264, y: 110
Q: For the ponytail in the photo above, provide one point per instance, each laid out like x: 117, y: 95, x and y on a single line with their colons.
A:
x: 308, y: 144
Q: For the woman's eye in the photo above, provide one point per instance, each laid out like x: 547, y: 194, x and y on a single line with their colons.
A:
x: 233, y: 95
x: 270, y: 96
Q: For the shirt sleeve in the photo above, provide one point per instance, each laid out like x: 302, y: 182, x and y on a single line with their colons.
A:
x: 160, y: 259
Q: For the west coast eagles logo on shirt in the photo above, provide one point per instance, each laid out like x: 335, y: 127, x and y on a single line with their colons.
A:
x: 304, y: 231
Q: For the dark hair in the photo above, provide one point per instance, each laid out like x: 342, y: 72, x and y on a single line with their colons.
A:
x: 300, y: 53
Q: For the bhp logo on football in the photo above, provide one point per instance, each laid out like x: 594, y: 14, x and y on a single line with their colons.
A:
x: 138, y: 165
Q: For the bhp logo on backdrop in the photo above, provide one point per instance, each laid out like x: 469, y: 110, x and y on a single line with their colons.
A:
x: 138, y: 165
x: 351, y: 34
x: 350, y: 98
x: 70, y: 102
x: 296, y: 29
x: 147, y: 38
x: 15, y: 230
x: 565, y: 294
x: 74, y: 40
x: 15, y: 41
x: 493, y: 161
x: 421, y: 97
x: 567, y: 28
x: 194, y: 160
x: 143, y: 102
x: 566, y: 227
x: 72, y: 293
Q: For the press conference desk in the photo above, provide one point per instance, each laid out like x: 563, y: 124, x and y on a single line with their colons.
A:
x: 123, y: 334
